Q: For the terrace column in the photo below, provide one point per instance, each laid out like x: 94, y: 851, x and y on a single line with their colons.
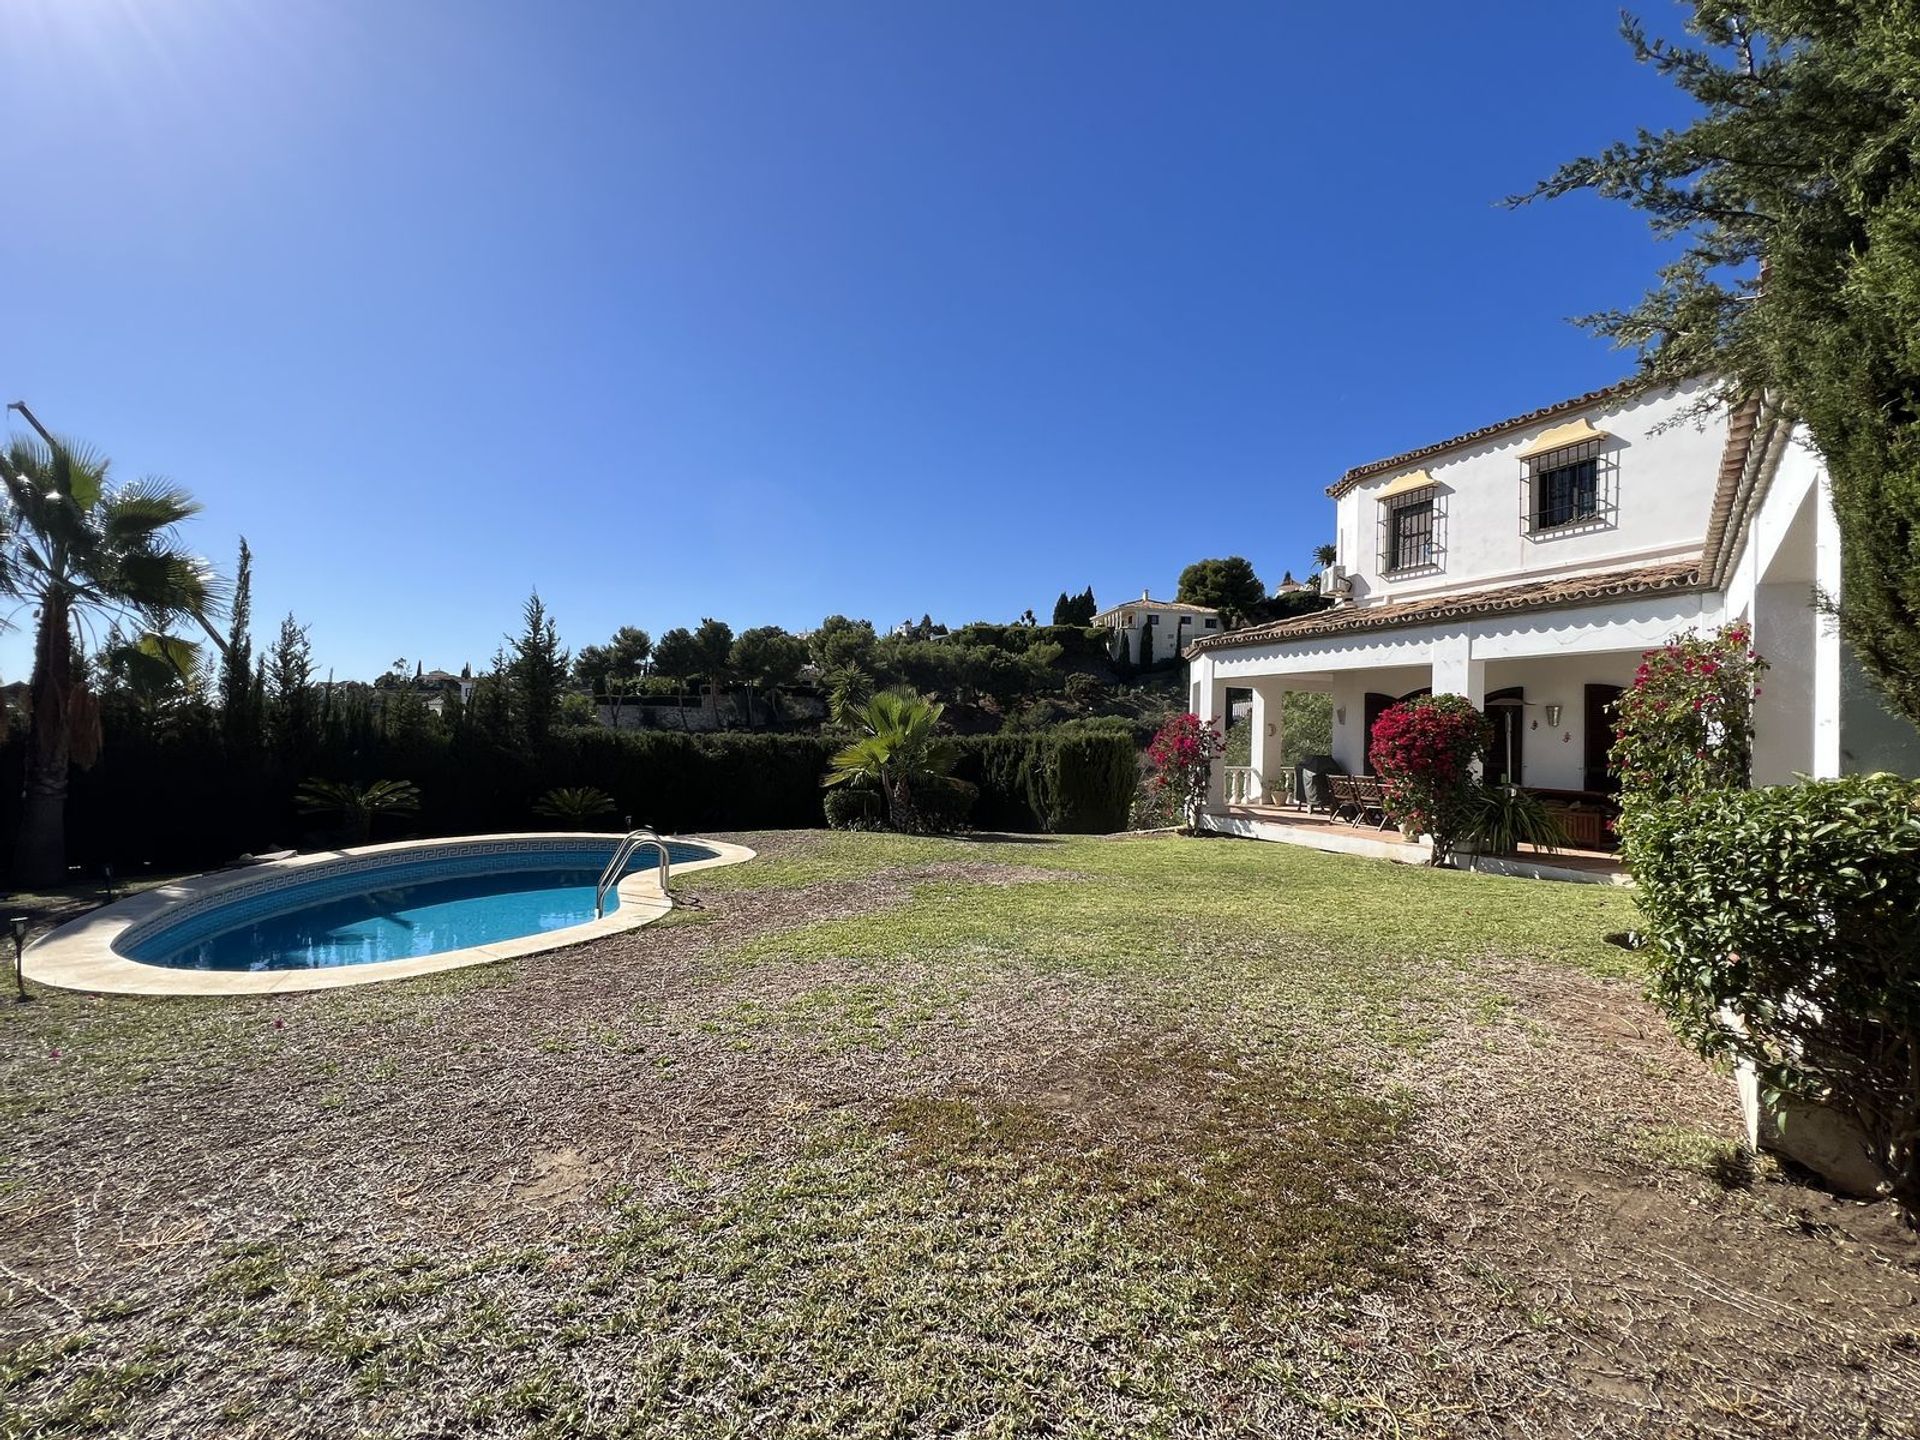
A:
x: 1456, y: 672
x: 1209, y: 703
x: 1269, y: 735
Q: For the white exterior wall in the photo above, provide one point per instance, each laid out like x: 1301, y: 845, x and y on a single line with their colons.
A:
x: 1664, y: 479
x: 1553, y: 655
x: 1811, y: 717
x: 1788, y: 555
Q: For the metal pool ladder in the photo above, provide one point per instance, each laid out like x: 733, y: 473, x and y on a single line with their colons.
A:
x: 634, y: 841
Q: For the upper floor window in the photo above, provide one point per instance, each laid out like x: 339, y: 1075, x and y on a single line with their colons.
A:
x: 1212, y: 624
x: 1153, y: 619
x: 1566, y: 493
x: 1412, y: 520
x: 1567, y: 481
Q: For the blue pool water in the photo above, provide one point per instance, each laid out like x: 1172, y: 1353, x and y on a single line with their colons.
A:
x: 391, y: 911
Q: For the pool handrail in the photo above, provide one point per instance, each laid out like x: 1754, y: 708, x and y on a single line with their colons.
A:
x: 632, y: 842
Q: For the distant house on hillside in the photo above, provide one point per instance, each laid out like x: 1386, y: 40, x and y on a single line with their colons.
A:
x: 1156, y: 631
x: 440, y: 682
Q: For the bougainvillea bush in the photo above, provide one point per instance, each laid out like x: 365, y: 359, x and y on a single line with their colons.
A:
x: 1424, y: 751
x: 1685, y: 726
x: 1182, y: 756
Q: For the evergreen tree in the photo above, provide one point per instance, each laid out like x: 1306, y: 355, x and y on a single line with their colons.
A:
x: 1228, y: 585
x: 714, y: 640
x: 1796, y: 197
x: 677, y: 658
x: 490, y: 712
x: 239, y: 718
x: 537, y: 673
x: 292, y: 717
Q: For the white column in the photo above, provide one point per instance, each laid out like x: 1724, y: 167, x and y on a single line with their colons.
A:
x: 1456, y: 672
x: 1826, y: 639
x: 1209, y: 703
x: 1269, y: 734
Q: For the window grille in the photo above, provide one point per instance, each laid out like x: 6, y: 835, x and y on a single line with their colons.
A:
x: 1568, y: 491
x: 1412, y: 528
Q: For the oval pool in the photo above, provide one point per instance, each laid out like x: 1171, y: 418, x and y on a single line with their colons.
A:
x: 394, y: 911
x: 350, y: 916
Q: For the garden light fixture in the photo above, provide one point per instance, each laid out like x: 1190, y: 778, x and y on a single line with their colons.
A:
x: 18, y: 925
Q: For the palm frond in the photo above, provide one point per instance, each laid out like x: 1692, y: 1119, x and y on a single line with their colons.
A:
x: 143, y: 510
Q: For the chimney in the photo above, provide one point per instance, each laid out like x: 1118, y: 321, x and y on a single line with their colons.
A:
x: 1145, y: 596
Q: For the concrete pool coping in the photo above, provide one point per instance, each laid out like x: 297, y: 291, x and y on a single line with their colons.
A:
x: 80, y: 954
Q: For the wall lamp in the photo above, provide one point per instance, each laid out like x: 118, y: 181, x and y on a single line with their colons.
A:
x: 1553, y: 715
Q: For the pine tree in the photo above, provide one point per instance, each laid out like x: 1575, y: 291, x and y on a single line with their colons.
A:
x: 293, y: 719
x: 239, y: 718
x: 1795, y: 197
x: 537, y: 673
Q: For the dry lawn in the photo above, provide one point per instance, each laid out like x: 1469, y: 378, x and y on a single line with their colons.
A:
x: 882, y: 1137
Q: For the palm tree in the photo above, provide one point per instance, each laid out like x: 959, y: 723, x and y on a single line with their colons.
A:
x: 79, y: 549
x: 356, y: 805
x: 573, y: 805
x: 898, y: 751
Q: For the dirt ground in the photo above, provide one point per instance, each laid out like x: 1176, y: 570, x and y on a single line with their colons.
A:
x: 1492, y: 1196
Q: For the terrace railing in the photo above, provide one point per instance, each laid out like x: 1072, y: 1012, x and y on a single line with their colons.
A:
x: 1242, y: 785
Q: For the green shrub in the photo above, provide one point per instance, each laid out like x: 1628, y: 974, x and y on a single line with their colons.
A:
x: 848, y: 807
x: 1507, y: 817
x: 1785, y: 930
x: 942, y: 804
x: 1094, y: 774
x: 574, y: 807
x: 1075, y: 779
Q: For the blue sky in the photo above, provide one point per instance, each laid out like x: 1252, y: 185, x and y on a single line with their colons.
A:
x: 769, y: 310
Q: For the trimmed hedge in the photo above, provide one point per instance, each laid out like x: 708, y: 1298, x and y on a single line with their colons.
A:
x: 1074, y: 781
x: 177, y: 801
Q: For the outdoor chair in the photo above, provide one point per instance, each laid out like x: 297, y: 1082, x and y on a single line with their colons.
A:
x: 1346, y: 799
x: 1370, y: 801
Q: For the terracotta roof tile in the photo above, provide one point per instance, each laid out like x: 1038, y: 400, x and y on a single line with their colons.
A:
x: 1526, y: 595
x: 1499, y: 427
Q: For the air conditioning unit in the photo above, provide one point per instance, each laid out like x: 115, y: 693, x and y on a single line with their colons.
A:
x: 1334, y: 583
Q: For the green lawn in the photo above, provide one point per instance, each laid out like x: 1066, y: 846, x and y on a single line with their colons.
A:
x: 889, y: 1137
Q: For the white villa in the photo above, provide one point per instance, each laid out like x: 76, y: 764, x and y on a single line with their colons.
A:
x: 1156, y: 631
x: 1528, y: 564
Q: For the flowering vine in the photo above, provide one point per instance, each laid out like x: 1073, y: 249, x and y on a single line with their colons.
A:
x: 1182, y: 756
x: 1684, y: 728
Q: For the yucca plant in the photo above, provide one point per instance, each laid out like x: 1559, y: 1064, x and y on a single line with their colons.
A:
x: 356, y: 805
x: 1506, y: 817
x: 573, y: 806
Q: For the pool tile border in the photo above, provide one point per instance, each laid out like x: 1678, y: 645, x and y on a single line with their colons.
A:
x: 82, y: 954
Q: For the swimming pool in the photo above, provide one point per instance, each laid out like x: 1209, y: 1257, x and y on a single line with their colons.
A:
x: 378, y: 912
